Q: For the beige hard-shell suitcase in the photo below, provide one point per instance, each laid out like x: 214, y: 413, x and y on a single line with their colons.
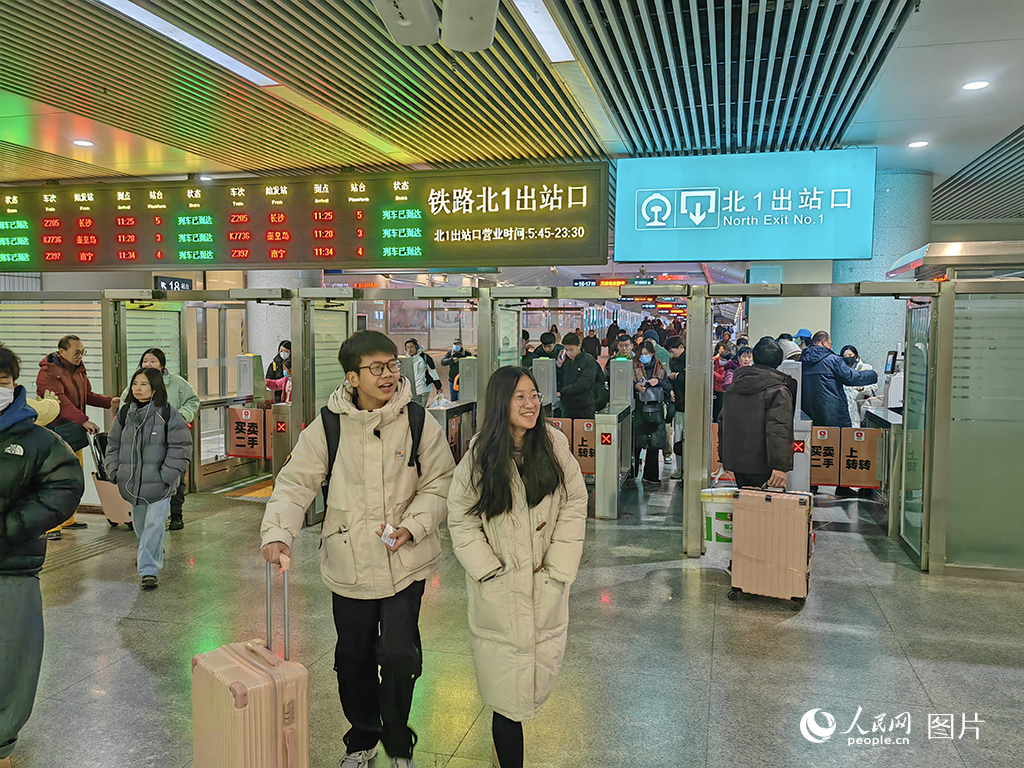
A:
x: 250, y: 708
x: 772, y: 543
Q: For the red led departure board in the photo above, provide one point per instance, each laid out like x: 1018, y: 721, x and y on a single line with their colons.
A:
x: 531, y: 215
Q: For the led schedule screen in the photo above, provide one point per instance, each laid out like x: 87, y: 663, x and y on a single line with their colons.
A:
x: 532, y: 215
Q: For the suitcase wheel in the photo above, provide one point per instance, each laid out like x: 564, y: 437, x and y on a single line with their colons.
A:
x: 800, y: 600
x: 734, y: 594
x: 130, y: 526
x: 112, y: 523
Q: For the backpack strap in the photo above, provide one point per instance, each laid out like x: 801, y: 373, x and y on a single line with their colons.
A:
x: 417, y: 417
x: 122, y: 415
x: 332, y: 429
x: 166, y: 413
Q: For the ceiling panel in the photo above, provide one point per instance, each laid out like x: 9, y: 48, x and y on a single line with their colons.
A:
x: 991, y: 187
x: 18, y: 163
x: 716, y: 76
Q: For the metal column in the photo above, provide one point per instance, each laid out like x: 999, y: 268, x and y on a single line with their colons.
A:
x: 697, y: 444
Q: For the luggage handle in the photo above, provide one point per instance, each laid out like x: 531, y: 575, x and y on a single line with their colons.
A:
x: 286, y: 564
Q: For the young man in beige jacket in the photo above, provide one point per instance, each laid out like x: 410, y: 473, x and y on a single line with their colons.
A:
x: 377, y: 586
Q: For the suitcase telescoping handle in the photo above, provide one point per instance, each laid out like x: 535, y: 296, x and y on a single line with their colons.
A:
x: 286, y: 564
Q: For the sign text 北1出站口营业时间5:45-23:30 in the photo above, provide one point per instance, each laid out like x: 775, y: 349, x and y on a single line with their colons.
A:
x: 756, y: 207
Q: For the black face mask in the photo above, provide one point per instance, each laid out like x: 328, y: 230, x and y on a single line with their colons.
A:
x: 851, y: 361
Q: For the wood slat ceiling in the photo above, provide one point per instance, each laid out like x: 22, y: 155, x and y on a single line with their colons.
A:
x: 716, y: 76
x: 990, y: 187
x: 18, y: 163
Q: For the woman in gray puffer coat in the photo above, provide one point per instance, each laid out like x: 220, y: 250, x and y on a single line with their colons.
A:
x: 147, y: 455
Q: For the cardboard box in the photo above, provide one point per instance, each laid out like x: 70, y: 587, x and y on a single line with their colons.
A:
x: 246, y: 432
x: 584, y: 444
x: 825, y: 455
x: 772, y: 543
x: 858, y: 461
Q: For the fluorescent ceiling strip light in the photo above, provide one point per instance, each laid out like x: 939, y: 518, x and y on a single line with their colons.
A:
x: 537, y: 16
x: 180, y: 36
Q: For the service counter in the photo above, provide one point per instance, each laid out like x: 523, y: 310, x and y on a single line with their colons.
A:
x: 891, y: 460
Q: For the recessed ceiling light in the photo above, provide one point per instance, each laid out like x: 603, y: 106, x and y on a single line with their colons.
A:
x: 205, y: 178
x: 917, y: 144
x: 976, y: 85
x: 82, y: 143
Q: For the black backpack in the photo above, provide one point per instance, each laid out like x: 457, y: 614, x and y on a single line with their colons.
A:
x: 332, y: 429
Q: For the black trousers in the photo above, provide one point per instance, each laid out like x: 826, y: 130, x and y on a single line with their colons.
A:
x: 385, y: 634
x: 178, y: 501
x: 652, y: 465
x: 751, y: 481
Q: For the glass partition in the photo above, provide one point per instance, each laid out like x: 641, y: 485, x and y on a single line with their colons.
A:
x: 153, y: 328
x: 509, y: 336
x: 987, y: 432
x: 330, y: 328
x: 915, y: 415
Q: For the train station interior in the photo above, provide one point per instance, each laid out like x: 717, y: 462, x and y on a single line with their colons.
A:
x: 245, y: 185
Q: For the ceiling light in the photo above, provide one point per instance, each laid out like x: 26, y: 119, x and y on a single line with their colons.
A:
x: 537, y: 16
x: 191, y: 42
x: 917, y: 144
x: 206, y: 178
x: 82, y: 143
x: 975, y: 85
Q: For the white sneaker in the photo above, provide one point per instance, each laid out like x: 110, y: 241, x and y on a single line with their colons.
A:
x: 364, y: 758
x: 677, y: 475
x: 668, y: 459
x: 402, y: 762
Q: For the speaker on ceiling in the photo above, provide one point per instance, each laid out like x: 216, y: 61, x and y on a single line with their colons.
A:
x: 469, y: 24
x: 410, y: 22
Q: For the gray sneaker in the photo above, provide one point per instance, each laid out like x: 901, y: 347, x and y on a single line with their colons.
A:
x: 677, y: 475
x: 364, y: 758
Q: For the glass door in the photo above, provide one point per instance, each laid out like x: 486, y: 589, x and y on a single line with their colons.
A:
x: 915, y: 416
x: 510, y: 331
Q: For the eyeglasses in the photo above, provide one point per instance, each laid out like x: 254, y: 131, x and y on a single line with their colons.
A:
x: 522, y: 401
x: 377, y: 369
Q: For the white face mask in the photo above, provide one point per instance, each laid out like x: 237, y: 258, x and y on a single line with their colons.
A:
x: 285, y: 354
x: 6, y: 397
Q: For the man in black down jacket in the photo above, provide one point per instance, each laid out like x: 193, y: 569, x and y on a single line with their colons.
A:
x: 41, y: 484
x: 824, y: 376
x: 756, y: 423
x: 579, y: 373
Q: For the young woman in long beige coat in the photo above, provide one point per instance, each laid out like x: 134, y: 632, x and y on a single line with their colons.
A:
x: 517, y: 515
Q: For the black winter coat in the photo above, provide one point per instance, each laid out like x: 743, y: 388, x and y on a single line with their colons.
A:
x: 578, y: 378
x: 592, y: 346
x: 755, y: 428
x: 678, y: 365
x: 41, y: 483
x: 824, y: 376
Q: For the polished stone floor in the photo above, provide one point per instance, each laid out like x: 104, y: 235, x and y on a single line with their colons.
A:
x: 661, y: 670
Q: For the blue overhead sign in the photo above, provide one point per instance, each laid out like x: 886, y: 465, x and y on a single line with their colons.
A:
x: 756, y: 207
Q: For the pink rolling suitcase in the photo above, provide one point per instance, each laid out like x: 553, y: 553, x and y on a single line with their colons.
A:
x: 250, y: 709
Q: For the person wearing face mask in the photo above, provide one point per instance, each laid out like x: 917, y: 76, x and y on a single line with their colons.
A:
x: 147, y: 456
x: 653, y: 387
x: 276, y: 368
x: 451, y: 362
x: 41, y: 483
x: 824, y: 376
x: 855, y: 396
x: 182, y: 397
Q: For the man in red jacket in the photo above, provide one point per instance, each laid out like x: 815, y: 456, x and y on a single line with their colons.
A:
x: 63, y: 373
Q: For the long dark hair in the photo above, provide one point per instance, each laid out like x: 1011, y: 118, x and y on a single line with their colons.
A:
x: 156, y: 382
x: 158, y: 354
x: 492, y: 451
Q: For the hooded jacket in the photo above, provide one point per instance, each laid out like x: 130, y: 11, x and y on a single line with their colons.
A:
x: 41, y: 483
x: 71, y: 385
x: 824, y: 376
x: 181, y: 396
x: 146, y: 466
x: 578, y: 378
x: 659, y: 351
x: 756, y: 423
x: 519, y: 566
x: 371, y: 484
